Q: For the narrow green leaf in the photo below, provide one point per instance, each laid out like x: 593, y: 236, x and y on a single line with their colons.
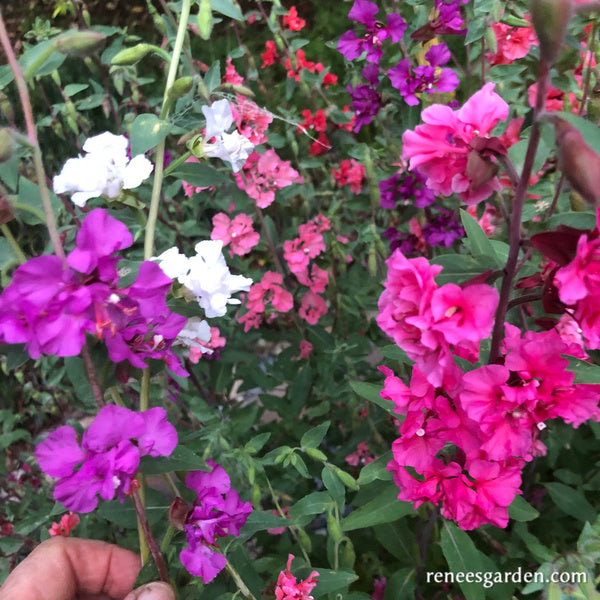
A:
x: 520, y: 510
x: 371, y: 392
x: 313, y: 504
x: 383, y: 509
x: 376, y: 470
x: 313, y: 437
x: 462, y: 556
x: 198, y: 174
x: 478, y: 242
x: 571, y: 502
x: 181, y: 459
x: 227, y: 8
x: 585, y: 372
x: 260, y: 520
x: 332, y: 581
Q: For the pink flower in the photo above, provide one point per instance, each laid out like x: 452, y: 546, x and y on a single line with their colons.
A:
x: 251, y: 120
x: 317, y: 279
x: 216, y: 341
x: 237, y: 231
x: 512, y: 43
x: 270, y: 55
x: 362, y: 455
x: 299, y: 252
x: 65, y: 526
x: 312, y: 307
x: 264, y: 174
x: 289, y: 589
x: 305, y: 349
x: 292, y: 21
x: 350, y: 173
x: 231, y: 76
x: 448, y: 147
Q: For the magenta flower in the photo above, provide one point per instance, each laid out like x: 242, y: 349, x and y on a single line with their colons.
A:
x: 217, y: 512
x: 450, y: 148
x: 363, y: 11
x: 288, y: 588
x: 108, y: 457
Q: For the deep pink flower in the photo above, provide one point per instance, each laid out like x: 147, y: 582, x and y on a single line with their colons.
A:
x: 65, y: 526
x: 231, y: 75
x: 350, y: 173
x: 316, y: 280
x: 251, y: 120
x: 512, y: 43
x: 217, y: 512
x: 305, y: 349
x: 108, y: 457
x: 237, y: 231
x: 440, y: 148
x: 288, y: 588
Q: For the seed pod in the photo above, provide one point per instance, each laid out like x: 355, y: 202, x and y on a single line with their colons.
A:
x: 550, y: 19
x: 578, y: 162
x: 205, y: 20
x: 79, y: 43
x: 130, y: 56
x: 178, y: 513
x: 6, y: 210
x: 181, y: 87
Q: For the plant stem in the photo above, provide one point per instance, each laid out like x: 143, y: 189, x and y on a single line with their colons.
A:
x: 514, y: 234
x: 152, y: 545
x: 13, y: 243
x: 160, y: 149
x: 33, y: 139
x: 239, y: 582
x: 91, y: 373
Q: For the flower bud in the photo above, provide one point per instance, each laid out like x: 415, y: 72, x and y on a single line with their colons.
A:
x: 550, y: 19
x: 204, y: 20
x: 130, y: 56
x: 181, y: 87
x: 79, y: 43
x: 578, y: 162
x: 6, y: 209
x: 6, y: 107
x: 178, y: 513
x: 7, y: 144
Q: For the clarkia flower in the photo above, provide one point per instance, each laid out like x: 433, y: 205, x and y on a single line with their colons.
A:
x: 106, y: 460
x: 363, y: 12
x: 217, y: 512
x: 288, y: 588
x: 103, y: 171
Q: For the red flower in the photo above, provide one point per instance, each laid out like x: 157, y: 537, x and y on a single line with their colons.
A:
x: 292, y: 21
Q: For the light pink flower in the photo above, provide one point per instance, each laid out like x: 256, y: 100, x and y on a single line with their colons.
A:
x: 251, y: 120
x: 312, y: 307
x: 237, y: 231
x: 442, y: 148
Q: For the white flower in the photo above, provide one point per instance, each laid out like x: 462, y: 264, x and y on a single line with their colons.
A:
x: 196, y: 330
x: 233, y: 148
x: 206, y: 276
x: 172, y: 263
x: 219, y: 118
x: 103, y: 171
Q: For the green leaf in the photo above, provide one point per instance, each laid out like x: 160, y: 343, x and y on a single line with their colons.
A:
x: 7, y: 255
x: 313, y: 437
x: 371, y: 392
x: 394, y: 352
x: 477, y: 241
x: 257, y: 442
x: 30, y: 200
x: 588, y: 129
x: 147, y: 131
x: 383, y: 509
x: 227, y: 8
x: 332, y: 581
x: 578, y: 220
x: 213, y: 77
x: 123, y: 515
x: 401, y: 585
x: 520, y: 510
x: 300, y: 388
x: 78, y: 377
x: 376, y: 470
x: 571, y: 502
x: 198, y: 175
x: 333, y: 484
x: 260, y: 520
x: 314, y: 504
x: 181, y: 459
x: 459, y: 268
x: 585, y: 372
x: 462, y: 556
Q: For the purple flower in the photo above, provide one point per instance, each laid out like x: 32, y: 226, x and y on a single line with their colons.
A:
x: 363, y: 11
x: 442, y: 229
x: 424, y: 79
x: 108, y: 457
x: 406, y: 242
x: 217, y: 512
x: 406, y: 188
x: 447, y: 21
x: 365, y: 104
x: 50, y: 306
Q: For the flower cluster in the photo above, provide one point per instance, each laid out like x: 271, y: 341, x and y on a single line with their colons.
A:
x: 104, y: 171
x: 217, y: 512
x: 467, y: 442
x: 432, y: 323
x: 205, y: 276
x: 106, y: 460
x: 288, y: 588
x: 264, y: 174
x: 454, y: 149
x: 50, y: 306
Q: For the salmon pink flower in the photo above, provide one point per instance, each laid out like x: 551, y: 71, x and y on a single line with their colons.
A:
x: 512, y: 43
x: 288, y: 588
x: 66, y: 524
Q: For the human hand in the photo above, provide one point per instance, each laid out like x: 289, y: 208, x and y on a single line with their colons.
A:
x: 75, y: 569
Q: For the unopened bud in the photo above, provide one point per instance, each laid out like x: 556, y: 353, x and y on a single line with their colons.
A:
x: 480, y: 170
x: 130, y: 56
x: 6, y: 210
x: 550, y: 19
x: 578, y: 162
x: 181, y: 87
x: 7, y: 144
x: 204, y: 20
x: 6, y: 107
x: 79, y: 43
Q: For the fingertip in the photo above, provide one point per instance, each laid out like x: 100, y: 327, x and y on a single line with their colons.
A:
x: 157, y: 590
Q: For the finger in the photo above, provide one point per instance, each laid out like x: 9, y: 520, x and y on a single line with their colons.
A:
x: 62, y: 568
x: 152, y: 591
